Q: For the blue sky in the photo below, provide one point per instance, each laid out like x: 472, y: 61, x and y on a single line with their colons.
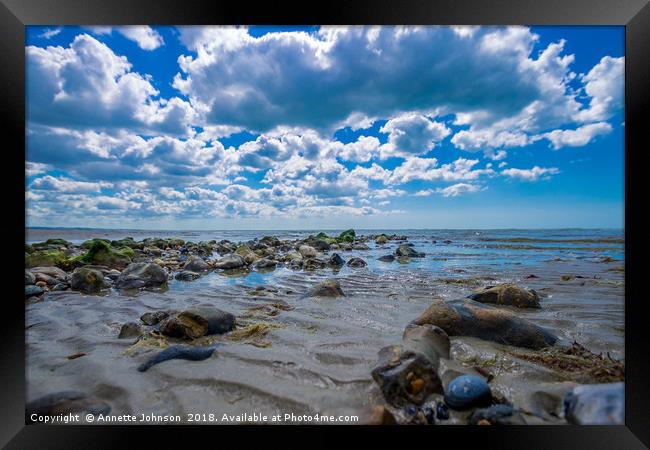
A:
x: 321, y: 127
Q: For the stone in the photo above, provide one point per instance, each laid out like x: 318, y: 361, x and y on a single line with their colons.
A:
x: 356, y: 262
x: 197, y: 322
x: 386, y: 258
x: 187, y: 275
x: 230, y: 262
x: 65, y: 402
x: 189, y: 353
x: 442, y: 411
x: 33, y: 291
x: 314, y: 263
x: 468, y: 391
x: 596, y: 404
x: 152, y: 318
x: 138, y: 275
x: 465, y: 317
x: 328, y: 288
x: 53, y: 272
x: 347, y: 236
x: 265, y: 265
x: 196, y: 264
x: 30, y: 278
x: 497, y: 415
x: 87, y: 280
x: 130, y: 330
x: 336, y: 260
x: 321, y: 245
x: 381, y: 239
x: 507, y: 294
x: 407, y: 250
x: 307, y: 251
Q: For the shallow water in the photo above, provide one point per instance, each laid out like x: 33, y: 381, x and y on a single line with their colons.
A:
x: 317, y: 357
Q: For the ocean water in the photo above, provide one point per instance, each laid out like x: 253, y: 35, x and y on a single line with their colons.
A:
x: 316, y: 355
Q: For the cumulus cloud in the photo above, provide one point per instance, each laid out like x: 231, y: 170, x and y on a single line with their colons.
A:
x: 604, y: 84
x: 63, y: 184
x: 87, y: 85
x: 533, y: 174
x: 146, y: 37
x: 412, y: 134
x: 578, y: 137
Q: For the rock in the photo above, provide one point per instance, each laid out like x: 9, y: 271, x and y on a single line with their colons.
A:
x: 41, y: 284
x: 314, y: 263
x: 196, y: 264
x: 347, y: 236
x: 468, y: 391
x: 429, y: 339
x: 327, y: 288
x: 507, y: 294
x: 230, y: 262
x: 295, y: 264
x: 129, y: 330
x: 497, y: 415
x: 336, y: 260
x: 178, y: 352
x: 187, y: 275
x: 596, y: 404
x: 307, y: 251
x: 381, y: 239
x: 466, y: 317
x: 63, y: 403
x: 138, y: 275
x: 406, y: 250
x: 152, y: 318
x: 442, y: 411
x: 197, y: 322
x: 53, y: 272
x: 87, y: 280
x: 321, y: 245
x: 270, y: 240
x: 265, y: 264
x: 408, y: 373
x: 357, y: 262
x: 33, y: 291
x: 30, y: 278
x: 386, y: 258
x: 60, y: 287
x: 101, y: 252
x: 45, y: 258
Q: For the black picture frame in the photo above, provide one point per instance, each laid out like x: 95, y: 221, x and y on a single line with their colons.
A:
x: 16, y: 14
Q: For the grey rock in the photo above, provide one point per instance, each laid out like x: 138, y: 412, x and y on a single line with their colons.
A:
x: 137, y: 275
x: 196, y: 264
x: 187, y: 275
x: 386, y: 258
x: 29, y: 278
x: 33, y: 291
x: 596, y: 404
x: 507, y: 294
x: 336, y: 260
x: 406, y: 250
x: 152, y: 318
x: 356, y: 262
x: 87, y: 280
x: 130, y: 330
x: 230, y: 262
x: 264, y: 264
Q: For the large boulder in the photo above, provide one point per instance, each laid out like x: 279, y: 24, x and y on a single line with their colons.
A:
x: 197, y: 322
x: 315, y: 263
x: 45, y: 258
x: 138, y: 275
x: 50, y: 271
x: 307, y: 251
x: 196, y: 264
x: 507, y: 294
x: 230, y: 262
x: 596, y: 404
x: 466, y: 317
x: 356, y: 262
x: 100, y: 252
x: 264, y: 265
x: 347, y: 236
x: 327, y: 288
x: 87, y: 280
x: 381, y: 239
x: 407, y: 250
x: 336, y: 261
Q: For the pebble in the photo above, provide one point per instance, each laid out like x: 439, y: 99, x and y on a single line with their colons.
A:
x: 467, y: 391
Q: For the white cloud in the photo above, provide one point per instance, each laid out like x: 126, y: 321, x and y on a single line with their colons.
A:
x: 146, y: 37
x: 458, y: 189
x: 605, y: 85
x: 63, y: 184
x: 49, y: 33
x: 412, y: 134
x: 578, y: 137
x: 533, y: 174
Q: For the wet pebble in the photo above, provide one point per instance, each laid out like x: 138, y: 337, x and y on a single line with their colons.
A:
x: 442, y: 411
x: 130, y: 330
x: 467, y: 391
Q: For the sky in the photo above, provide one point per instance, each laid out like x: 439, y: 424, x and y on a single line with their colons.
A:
x: 198, y: 127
